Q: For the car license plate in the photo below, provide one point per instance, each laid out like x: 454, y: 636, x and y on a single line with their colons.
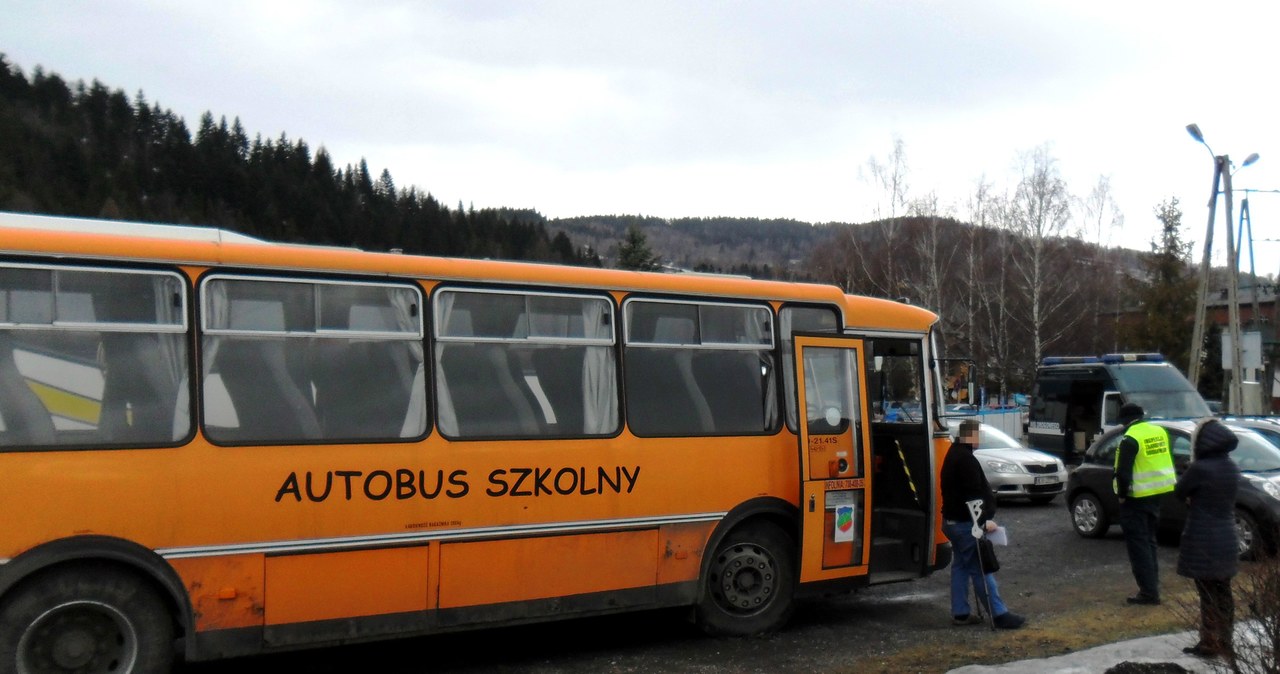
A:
x: 1047, y: 479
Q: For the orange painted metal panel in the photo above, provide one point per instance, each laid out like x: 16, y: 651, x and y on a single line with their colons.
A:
x: 491, y: 572
x: 225, y: 592
x: 346, y: 584
x: 683, y: 546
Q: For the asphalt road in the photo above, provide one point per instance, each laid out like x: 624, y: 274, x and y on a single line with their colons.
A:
x: 1046, y: 569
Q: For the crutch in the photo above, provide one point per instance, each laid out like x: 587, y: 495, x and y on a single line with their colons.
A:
x: 975, y: 511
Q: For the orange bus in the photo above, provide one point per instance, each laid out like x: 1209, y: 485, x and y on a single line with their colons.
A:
x: 212, y: 445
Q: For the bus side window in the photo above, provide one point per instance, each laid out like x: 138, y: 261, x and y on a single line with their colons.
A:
x: 516, y: 364
x: 91, y: 356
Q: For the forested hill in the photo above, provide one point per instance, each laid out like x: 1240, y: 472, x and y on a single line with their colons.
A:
x: 754, y: 247
x: 85, y: 150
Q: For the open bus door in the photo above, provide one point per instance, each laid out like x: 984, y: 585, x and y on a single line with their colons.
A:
x: 834, y: 448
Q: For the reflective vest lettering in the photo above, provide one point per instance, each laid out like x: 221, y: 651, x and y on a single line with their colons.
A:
x: 1153, y: 466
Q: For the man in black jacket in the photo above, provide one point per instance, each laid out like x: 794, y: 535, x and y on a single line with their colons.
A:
x: 963, y: 481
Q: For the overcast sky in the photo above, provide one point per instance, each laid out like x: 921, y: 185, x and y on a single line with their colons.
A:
x: 700, y: 108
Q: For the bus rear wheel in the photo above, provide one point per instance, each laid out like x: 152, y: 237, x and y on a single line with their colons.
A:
x: 750, y: 583
x: 85, y: 620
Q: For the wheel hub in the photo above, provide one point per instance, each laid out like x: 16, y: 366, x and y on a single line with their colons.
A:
x: 81, y: 637
x: 748, y: 578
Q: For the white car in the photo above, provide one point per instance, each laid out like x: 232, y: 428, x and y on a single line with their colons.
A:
x: 1013, y: 470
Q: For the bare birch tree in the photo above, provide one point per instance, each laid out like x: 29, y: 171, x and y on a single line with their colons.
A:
x: 1041, y: 214
x: 889, y: 176
x: 933, y: 257
x: 1100, y: 217
x: 994, y: 281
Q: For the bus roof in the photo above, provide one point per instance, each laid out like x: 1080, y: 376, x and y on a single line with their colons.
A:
x: 51, y: 223
x: 180, y: 244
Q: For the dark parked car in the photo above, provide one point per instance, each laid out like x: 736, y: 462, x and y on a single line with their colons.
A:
x: 1093, y: 505
x: 1267, y: 427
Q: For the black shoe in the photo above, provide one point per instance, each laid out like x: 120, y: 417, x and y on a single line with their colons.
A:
x: 1143, y: 600
x: 966, y: 619
x: 1201, y: 651
x: 1009, y: 621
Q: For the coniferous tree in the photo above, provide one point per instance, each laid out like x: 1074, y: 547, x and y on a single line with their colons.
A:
x: 634, y: 252
x: 1166, y: 296
x: 85, y: 150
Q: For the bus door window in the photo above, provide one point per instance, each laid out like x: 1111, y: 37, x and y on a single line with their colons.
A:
x: 793, y: 319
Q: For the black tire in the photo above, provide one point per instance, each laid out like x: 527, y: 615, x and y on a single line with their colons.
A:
x: 750, y: 583
x: 85, y: 619
x: 1088, y: 517
x: 1248, y: 536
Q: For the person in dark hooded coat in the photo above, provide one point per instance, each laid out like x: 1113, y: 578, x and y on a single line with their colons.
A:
x: 1208, y: 553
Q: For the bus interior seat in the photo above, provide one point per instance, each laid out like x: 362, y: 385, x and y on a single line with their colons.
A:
x: 137, y: 396
x: 487, y: 401
x: 26, y: 419
x: 559, y: 372
x: 268, y: 401
x: 734, y: 388
x: 362, y: 387
x: 663, y: 387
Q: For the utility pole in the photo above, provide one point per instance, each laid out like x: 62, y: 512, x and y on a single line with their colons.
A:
x: 1235, y: 405
x: 1197, y: 352
x: 1221, y: 178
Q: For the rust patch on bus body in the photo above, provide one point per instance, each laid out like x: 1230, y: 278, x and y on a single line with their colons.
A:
x: 683, y: 547
x: 225, y: 592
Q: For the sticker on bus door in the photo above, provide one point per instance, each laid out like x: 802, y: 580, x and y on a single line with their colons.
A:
x: 844, y: 525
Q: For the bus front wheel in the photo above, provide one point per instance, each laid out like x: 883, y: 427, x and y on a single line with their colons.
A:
x: 750, y: 583
x: 85, y: 619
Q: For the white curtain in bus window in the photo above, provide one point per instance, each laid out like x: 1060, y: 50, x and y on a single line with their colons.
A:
x: 291, y: 360
x: 699, y: 368
x: 512, y: 364
x: 92, y: 357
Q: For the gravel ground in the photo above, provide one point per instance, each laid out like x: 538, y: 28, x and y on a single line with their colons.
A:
x: 1071, y: 589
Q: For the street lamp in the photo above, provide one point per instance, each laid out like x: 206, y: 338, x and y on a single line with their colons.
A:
x: 1222, y: 172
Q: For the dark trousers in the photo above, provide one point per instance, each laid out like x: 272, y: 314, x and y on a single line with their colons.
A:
x: 1217, y: 615
x: 1138, y: 518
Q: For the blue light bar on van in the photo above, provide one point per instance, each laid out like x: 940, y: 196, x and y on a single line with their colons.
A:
x: 1068, y: 360
x: 1133, y: 358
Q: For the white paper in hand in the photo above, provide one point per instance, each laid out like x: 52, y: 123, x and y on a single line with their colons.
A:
x: 998, y: 537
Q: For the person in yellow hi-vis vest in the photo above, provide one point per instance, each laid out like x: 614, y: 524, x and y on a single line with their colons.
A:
x: 1143, y: 473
